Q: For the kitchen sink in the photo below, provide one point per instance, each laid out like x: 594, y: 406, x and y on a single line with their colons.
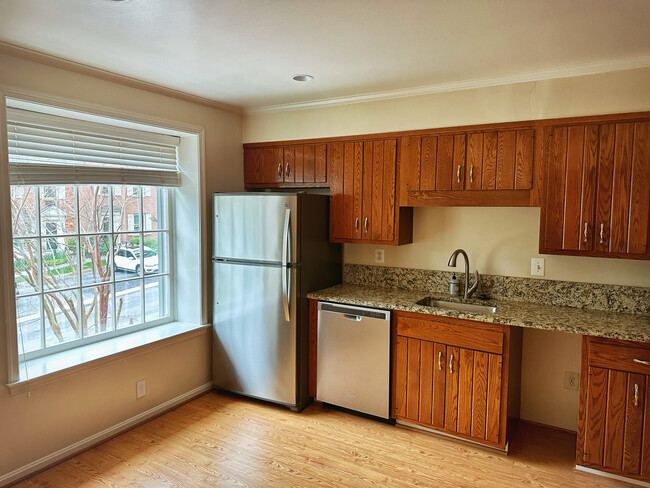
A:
x: 461, y: 307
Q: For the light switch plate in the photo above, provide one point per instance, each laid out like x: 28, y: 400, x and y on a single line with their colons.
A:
x: 379, y: 256
x: 537, y: 266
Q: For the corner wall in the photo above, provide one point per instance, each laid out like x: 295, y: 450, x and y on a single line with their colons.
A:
x: 498, y: 240
x: 79, y: 406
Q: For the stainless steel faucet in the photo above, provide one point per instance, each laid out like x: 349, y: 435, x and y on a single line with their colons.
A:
x: 452, y: 263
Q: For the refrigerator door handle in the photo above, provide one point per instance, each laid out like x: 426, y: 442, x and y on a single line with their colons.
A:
x: 286, y: 250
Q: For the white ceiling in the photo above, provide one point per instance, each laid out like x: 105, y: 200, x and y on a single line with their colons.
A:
x: 244, y: 52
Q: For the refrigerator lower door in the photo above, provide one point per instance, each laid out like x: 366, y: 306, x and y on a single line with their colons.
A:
x: 254, y: 345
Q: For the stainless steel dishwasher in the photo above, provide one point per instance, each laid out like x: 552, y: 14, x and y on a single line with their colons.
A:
x: 353, y: 358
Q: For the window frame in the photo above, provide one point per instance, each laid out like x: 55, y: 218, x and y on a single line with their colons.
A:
x: 192, y: 286
x: 167, y: 277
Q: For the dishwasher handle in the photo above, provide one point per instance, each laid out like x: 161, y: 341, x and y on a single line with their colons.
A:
x: 355, y: 318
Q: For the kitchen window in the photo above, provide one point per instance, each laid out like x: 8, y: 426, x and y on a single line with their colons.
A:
x: 85, y: 268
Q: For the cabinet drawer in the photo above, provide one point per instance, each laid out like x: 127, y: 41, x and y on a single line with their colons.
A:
x: 466, y: 336
x: 619, y: 356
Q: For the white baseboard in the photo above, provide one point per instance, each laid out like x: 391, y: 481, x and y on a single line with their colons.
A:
x: 88, y: 442
x: 613, y: 476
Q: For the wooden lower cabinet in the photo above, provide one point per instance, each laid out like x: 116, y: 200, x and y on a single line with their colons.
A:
x: 614, y: 417
x: 457, y: 376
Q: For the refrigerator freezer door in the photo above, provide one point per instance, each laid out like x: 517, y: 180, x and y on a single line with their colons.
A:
x: 252, y: 227
x: 254, y: 346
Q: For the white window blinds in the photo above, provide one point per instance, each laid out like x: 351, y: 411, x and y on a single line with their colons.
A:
x: 50, y: 149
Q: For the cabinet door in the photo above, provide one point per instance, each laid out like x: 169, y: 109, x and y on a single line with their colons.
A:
x: 263, y: 165
x: 309, y: 163
x: 420, y: 377
x: 294, y: 164
x: 368, y: 190
x: 253, y: 166
x: 379, y: 190
x: 473, y: 394
x: 616, y: 406
x: 338, y: 227
x: 272, y: 169
x: 289, y: 163
x: 320, y: 163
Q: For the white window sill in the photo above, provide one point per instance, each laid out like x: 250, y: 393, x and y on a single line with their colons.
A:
x: 48, y: 369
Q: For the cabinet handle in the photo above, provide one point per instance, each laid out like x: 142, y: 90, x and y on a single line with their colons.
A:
x: 365, y: 225
x: 586, y: 227
x: 287, y: 169
x: 636, y: 395
x: 602, y: 232
x: 451, y: 364
x: 458, y: 174
x: 471, y: 173
x: 279, y: 169
x: 439, y: 360
x: 641, y: 361
x: 356, y: 224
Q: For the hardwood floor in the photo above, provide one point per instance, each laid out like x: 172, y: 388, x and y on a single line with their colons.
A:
x: 225, y: 440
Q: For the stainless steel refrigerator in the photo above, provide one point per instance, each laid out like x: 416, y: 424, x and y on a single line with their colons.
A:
x: 270, y: 250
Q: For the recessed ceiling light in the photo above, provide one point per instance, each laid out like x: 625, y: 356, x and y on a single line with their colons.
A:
x: 303, y: 77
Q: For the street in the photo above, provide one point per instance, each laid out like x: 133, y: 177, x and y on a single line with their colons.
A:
x: 126, y: 292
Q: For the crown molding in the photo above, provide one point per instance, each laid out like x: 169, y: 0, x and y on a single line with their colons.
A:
x: 84, y: 69
x: 513, y: 78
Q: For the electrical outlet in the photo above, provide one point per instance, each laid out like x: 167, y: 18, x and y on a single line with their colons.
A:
x: 140, y: 388
x: 537, y: 266
x: 571, y: 380
x: 379, y: 256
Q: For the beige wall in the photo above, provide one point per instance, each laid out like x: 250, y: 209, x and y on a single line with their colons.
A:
x: 79, y: 406
x: 498, y: 240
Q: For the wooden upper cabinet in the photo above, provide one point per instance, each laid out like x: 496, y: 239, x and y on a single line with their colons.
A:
x: 293, y: 166
x: 478, y: 161
x: 614, y: 416
x: 597, y: 190
x: 363, y: 194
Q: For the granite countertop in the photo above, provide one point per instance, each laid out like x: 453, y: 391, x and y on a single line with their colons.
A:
x: 615, y: 325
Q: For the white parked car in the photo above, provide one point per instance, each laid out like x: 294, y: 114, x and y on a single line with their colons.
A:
x: 128, y: 259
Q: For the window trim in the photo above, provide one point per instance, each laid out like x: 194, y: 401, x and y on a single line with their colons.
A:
x: 193, y: 195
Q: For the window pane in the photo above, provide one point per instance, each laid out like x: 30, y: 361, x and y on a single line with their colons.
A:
x: 97, y: 310
x: 126, y: 257
x: 154, y: 203
x: 126, y: 208
x: 155, y: 252
x: 28, y: 317
x: 96, y: 259
x: 128, y: 305
x: 26, y: 266
x: 57, y: 210
x: 61, y: 318
x: 94, y: 210
x: 60, y: 262
x: 156, y: 292
x: 23, y: 211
